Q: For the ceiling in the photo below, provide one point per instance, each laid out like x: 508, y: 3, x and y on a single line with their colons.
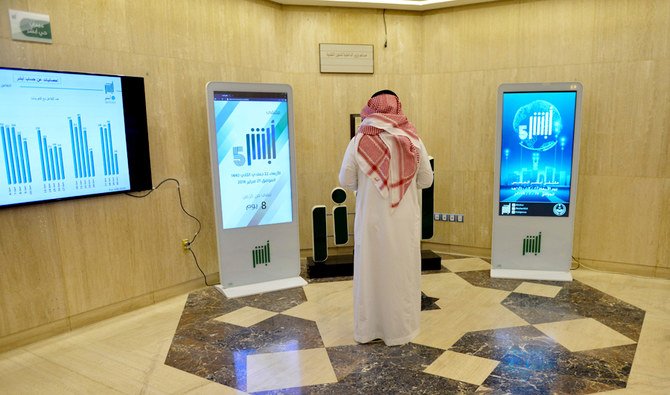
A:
x: 409, y: 5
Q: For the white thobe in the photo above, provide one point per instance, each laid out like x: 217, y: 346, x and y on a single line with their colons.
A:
x: 387, y: 254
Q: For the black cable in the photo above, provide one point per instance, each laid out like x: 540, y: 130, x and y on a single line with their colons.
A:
x: 181, y: 203
x: 386, y: 40
x: 198, y: 266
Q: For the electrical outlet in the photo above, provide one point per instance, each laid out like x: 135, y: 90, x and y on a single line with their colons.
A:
x: 459, y: 217
x: 445, y: 217
x: 437, y: 216
x: 185, y: 245
x: 452, y: 218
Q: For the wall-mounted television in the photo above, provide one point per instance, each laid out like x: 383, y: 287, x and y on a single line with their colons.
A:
x: 66, y: 135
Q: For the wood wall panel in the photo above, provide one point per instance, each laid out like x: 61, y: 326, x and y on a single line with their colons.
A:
x: 627, y: 119
x: 664, y: 233
x: 553, y: 33
x: 94, y: 251
x: 621, y: 219
x: 31, y: 280
x: 480, y: 37
x: 661, y: 30
x: 624, y: 30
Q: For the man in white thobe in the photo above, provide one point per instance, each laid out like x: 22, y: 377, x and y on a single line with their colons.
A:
x: 386, y: 163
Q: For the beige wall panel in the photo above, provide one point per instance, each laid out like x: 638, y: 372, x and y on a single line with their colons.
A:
x: 661, y: 29
x: 621, y: 219
x: 479, y: 37
x: 402, y: 54
x: 151, y: 36
x: 437, y: 119
x: 559, y: 73
x: 31, y: 284
x: 11, y: 54
x: 627, y: 120
x: 555, y: 33
x: 467, y: 193
x: 94, y: 236
x: 228, y: 32
x: 664, y: 233
x: 661, y: 120
x: 304, y: 28
x: 100, y: 24
x: 623, y: 30
x: 438, y: 42
x: 472, y: 101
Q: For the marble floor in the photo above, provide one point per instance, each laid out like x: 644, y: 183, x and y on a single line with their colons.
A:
x: 599, y: 333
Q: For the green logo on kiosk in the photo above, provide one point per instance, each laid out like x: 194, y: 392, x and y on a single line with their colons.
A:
x: 260, y: 255
x: 532, y: 244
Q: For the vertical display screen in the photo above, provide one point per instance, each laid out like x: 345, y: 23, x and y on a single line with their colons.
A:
x: 536, y: 153
x: 254, y: 158
x: 61, y: 135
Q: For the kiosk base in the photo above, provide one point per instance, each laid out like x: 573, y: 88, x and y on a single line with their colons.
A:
x: 531, y: 274
x: 258, y: 288
x: 343, y: 265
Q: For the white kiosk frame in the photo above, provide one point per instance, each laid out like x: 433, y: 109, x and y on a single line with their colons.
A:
x: 246, y: 265
x: 534, y: 240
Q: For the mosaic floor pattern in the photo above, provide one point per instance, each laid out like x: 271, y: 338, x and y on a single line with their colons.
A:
x: 478, y: 335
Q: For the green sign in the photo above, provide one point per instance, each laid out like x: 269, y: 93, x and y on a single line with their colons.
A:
x: 532, y: 244
x: 260, y: 255
x: 28, y: 26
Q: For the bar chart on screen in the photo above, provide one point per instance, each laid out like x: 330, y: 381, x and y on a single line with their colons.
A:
x: 43, y: 158
x: 16, y: 160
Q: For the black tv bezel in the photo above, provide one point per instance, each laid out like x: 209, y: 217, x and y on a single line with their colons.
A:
x: 137, y: 135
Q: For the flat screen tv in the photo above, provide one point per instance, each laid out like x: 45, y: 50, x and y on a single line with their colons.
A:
x: 536, y: 158
x: 66, y: 135
x: 253, y: 157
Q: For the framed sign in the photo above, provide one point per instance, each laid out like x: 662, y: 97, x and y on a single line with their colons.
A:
x: 346, y: 58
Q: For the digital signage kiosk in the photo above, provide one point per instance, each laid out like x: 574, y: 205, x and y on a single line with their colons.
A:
x: 253, y: 177
x: 535, y: 182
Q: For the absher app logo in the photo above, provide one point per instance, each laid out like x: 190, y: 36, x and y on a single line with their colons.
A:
x: 532, y: 244
x: 260, y: 255
x: 538, y: 125
x: 260, y: 144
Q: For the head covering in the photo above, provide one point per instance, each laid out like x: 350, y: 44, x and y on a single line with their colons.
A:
x: 387, y: 151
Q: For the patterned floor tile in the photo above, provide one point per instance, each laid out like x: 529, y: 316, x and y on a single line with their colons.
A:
x: 462, y: 367
x: 594, y: 335
x: 289, y: 369
x: 245, y: 316
x: 492, y: 323
x: 465, y: 265
x: 548, y: 291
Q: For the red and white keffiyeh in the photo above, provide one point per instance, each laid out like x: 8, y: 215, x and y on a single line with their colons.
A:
x: 387, y: 150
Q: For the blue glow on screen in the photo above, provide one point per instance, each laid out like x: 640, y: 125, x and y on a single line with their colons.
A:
x: 536, y: 153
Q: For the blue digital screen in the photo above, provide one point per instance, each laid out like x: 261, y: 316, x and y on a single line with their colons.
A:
x: 536, y: 153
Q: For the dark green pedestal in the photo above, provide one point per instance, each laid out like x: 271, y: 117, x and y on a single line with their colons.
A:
x: 343, y: 265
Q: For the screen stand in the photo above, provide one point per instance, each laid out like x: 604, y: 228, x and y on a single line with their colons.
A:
x: 258, y: 288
